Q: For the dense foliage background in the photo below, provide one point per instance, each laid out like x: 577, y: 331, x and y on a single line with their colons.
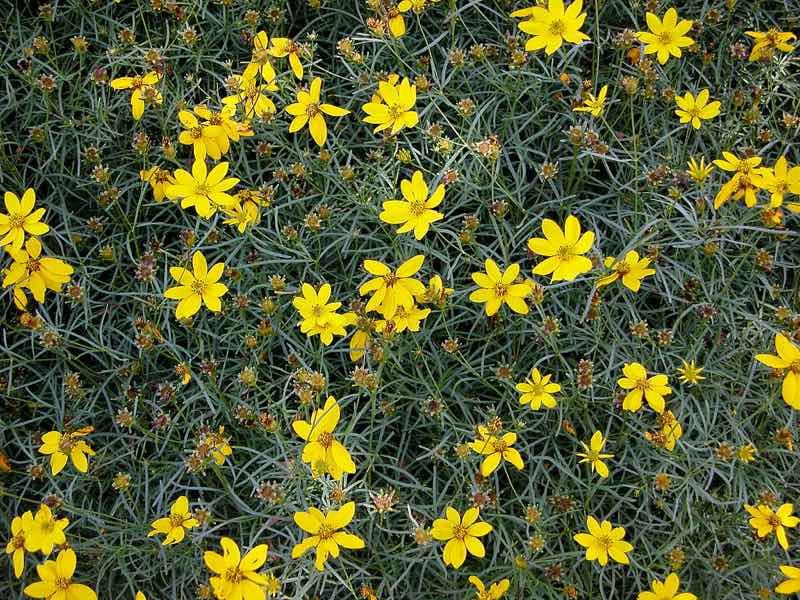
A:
x: 496, y: 124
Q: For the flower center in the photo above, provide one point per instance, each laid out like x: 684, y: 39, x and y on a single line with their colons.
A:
x: 390, y: 279
x: 317, y: 311
x: 499, y: 446
x: 137, y: 82
x: 312, y: 110
x: 325, y: 439
x: 605, y: 542
x: 176, y: 520
x: 396, y: 111
x: 459, y: 532
x: 33, y: 264
x: 642, y: 384
x: 694, y: 112
x: 261, y: 56
x: 774, y: 521
x: 557, y: 27
x: 622, y: 268
x: 416, y: 208
x: 500, y: 290
x: 233, y: 574
x: 62, y: 583
x: 16, y: 221
x: 65, y: 444
x: 201, y: 189
x: 198, y: 287
x: 666, y: 38
x: 564, y: 252
x: 197, y: 132
x: 325, y: 532
x: 795, y: 366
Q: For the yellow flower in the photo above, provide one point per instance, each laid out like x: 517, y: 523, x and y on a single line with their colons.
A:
x: 326, y: 533
x: 592, y: 104
x: 392, y: 108
x: 309, y: 111
x: 769, y: 41
x: 792, y: 584
x: 699, y: 171
x: 747, y: 453
x: 242, y: 215
x: 778, y: 181
x: 158, y: 179
x: 562, y: 249
x: 552, y: 26
x: 690, y: 373
x: 537, y: 390
x: 64, y: 446
x: 197, y: 287
x: 496, y: 449
x: 594, y: 454
x: 497, y: 288
x: 630, y: 269
x: 403, y: 319
x: 745, y: 182
x: 765, y: 521
x: 436, y: 292
x: 176, y: 524
x: 46, y: 531
x: 668, y: 590
x: 461, y: 535
x: 259, y: 61
x: 202, y: 137
x: 30, y: 270
x: 397, y: 24
x: 21, y: 528
x: 495, y: 592
x: 20, y: 219
x: 788, y: 357
x: 416, y: 211
x: 322, y: 450
x: 693, y: 110
x: 236, y: 575
x: 314, y: 307
x: 336, y: 325
x: 653, y: 389
x: 669, y: 434
x: 604, y: 541
x: 143, y: 89
x: 219, y: 446
x: 56, y: 580
x: 283, y: 47
x: 665, y: 37
x: 204, y: 190
x: 392, y: 289
x: 255, y: 103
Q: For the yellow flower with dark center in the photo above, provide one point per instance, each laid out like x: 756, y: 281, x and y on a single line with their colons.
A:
x: 403, y: 320
x: 260, y: 63
x: 666, y: 590
x: 309, y: 110
x: 669, y: 433
x: 242, y: 215
x: 326, y: 532
x: 62, y: 447
x: 667, y: 37
x: 496, y: 449
x: 537, y: 390
x: 142, y: 90
x: 631, y: 270
x: 415, y: 213
x: 767, y: 42
x: 778, y: 181
x: 197, y: 287
x: 497, y: 288
x: 552, y: 26
x: 593, y: 104
x: 30, y: 270
x: 653, y: 389
x: 202, y: 138
x: 252, y: 97
x: 20, y: 218
x: 206, y: 191
x: 747, y: 453
x: 236, y: 576
x: 593, y: 454
x: 766, y: 521
x: 493, y: 592
x: 693, y: 109
x: 314, y: 307
x: 792, y: 584
x: 56, y: 580
x: 690, y: 373
x: 46, y: 531
x: 158, y: 179
x: 284, y: 47
x: 392, y: 107
x: 392, y: 289
x: 788, y: 358
x: 604, y: 541
x: 461, y: 534
x: 176, y: 524
x: 322, y: 450
x: 699, y: 171
x: 19, y: 543
x: 563, y: 250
